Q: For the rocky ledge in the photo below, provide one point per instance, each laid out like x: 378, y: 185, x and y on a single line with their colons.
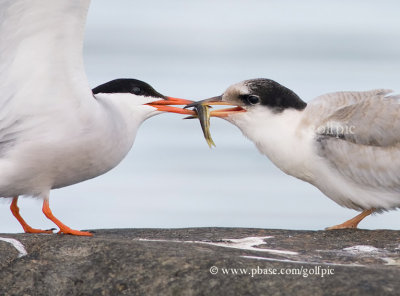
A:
x: 202, y: 261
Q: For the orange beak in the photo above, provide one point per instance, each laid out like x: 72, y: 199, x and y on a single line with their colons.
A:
x: 217, y: 101
x: 163, y: 105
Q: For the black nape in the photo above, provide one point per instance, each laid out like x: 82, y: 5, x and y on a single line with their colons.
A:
x: 272, y: 94
x: 127, y: 85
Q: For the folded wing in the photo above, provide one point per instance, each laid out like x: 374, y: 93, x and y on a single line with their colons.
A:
x: 359, y: 136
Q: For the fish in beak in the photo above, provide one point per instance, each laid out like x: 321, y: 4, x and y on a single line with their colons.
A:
x: 203, y: 113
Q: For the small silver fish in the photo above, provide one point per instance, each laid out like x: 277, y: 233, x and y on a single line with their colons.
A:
x: 203, y: 114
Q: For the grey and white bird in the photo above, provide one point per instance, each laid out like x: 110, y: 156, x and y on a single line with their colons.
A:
x: 54, y: 130
x: 347, y: 144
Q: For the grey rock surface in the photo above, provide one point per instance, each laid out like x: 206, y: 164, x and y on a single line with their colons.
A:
x: 202, y: 261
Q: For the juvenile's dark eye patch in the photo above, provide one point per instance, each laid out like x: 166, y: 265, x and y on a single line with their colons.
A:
x: 271, y: 94
x: 250, y: 99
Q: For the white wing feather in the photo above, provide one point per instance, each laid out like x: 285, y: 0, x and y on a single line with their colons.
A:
x: 41, y: 66
x: 41, y: 55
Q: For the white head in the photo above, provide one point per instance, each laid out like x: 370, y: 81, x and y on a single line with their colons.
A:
x: 137, y: 98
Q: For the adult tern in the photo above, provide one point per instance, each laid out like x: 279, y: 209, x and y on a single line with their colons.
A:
x: 347, y: 144
x: 54, y: 131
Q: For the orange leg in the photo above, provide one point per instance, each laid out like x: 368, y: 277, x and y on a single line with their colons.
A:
x: 63, y: 228
x: 352, y: 223
x: 15, y: 210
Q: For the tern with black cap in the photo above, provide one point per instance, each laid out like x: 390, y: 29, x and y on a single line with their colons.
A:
x: 54, y: 130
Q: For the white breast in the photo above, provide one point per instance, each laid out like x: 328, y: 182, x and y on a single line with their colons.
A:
x: 277, y: 136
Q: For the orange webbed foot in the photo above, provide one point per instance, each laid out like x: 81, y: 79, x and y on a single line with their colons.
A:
x: 15, y: 211
x: 352, y: 223
x: 63, y: 228
x: 29, y: 229
x: 68, y: 230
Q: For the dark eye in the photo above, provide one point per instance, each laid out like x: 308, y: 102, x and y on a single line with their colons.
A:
x: 136, y: 90
x: 253, y: 100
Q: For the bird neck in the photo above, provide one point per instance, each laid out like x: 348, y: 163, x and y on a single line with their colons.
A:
x: 113, y: 127
x: 125, y: 109
x: 278, y: 136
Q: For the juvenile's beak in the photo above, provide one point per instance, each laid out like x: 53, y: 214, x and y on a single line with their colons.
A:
x: 163, y: 105
x: 216, y: 101
x: 211, y: 101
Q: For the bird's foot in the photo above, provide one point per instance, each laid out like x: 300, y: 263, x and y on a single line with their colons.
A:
x: 344, y: 225
x: 15, y: 211
x: 67, y: 230
x: 352, y: 223
x: 29, y: 229
x: 63, y: 228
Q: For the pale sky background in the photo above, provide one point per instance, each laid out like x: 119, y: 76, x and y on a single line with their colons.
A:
x: 195, y: 50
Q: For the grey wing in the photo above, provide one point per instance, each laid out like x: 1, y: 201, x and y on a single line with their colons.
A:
x: 374, y: 121
x: 362, y: 141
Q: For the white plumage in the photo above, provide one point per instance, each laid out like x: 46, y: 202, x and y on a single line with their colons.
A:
x: 54, y: 131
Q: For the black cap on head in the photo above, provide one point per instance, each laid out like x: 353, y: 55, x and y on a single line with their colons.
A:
x: 126, y: 85
x: 272, y: 94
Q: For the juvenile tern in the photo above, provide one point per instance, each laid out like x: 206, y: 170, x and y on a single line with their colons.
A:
x: 347, y: 144
x: 54, y: 131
